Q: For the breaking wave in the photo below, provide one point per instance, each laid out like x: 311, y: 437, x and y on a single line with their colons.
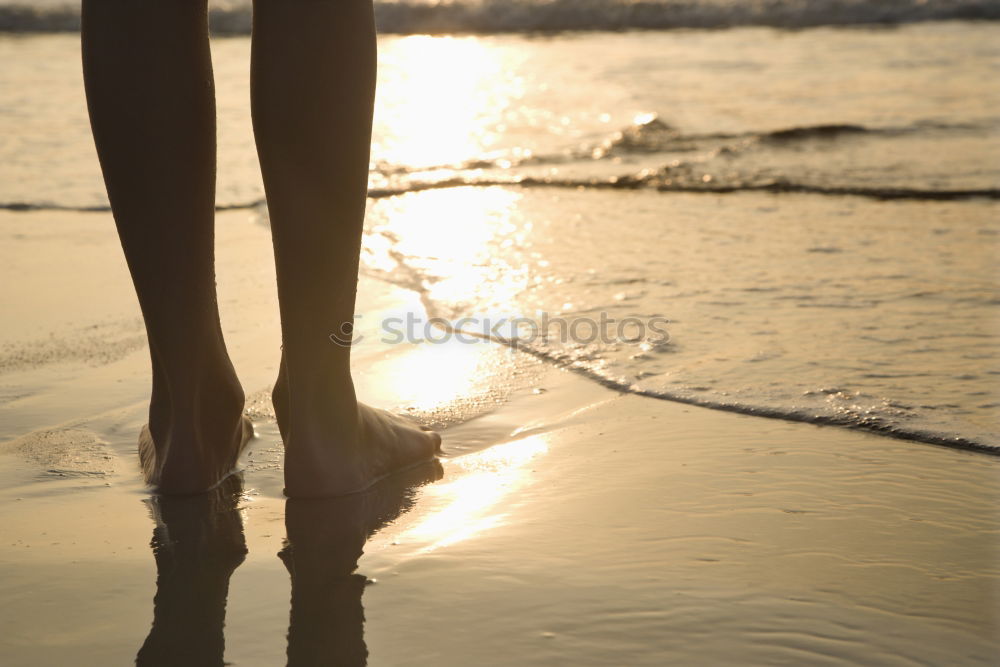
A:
x: 648, y: 136
x: 527, y: 16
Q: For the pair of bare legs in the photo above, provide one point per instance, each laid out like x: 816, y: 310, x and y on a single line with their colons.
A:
x: 150, y: 92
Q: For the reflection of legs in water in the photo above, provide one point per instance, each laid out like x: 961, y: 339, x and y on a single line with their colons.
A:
x: 197, y: 543
x: 313, y: 86
x: 149, y: 90
x: 325, y: 540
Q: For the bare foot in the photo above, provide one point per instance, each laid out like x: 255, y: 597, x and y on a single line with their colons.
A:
x: 346, y: 446
x: 184, y: 455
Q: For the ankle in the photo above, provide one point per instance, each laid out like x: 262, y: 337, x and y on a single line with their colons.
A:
x: 316, y: 385
x: 210, y: 398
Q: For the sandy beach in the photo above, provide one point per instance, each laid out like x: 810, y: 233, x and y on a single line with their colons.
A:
x: 571, y: 524
x: 792, y: 461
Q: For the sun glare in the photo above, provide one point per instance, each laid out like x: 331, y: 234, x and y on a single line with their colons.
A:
x: 440, y: 100
x: 448, y: 372
x: 445, y: 244
x: 473, y: 502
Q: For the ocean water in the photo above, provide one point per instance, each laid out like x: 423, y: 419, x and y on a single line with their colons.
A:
x: 811, y: 212
x: 493, y: 16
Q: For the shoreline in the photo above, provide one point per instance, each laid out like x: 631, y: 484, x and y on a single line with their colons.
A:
x: 570, y: 523
x: 120, y: 334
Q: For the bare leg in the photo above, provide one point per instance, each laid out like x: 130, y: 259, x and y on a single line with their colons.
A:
x: 313, y: 87
x: 150, y: 93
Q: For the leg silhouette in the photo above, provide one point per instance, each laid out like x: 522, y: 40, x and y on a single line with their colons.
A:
x: 148, y: 79
x: 313, y: 87
x: 326, y: 538
x: 197, y: 543
x: 148, y: 76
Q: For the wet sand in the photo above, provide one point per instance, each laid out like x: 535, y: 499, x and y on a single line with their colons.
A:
x: 570, y: 524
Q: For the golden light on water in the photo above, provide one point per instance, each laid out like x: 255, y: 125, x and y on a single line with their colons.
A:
x: 448, y: 372
x: 472, y: 503
x: 446, y: 243
x: 441, y: 99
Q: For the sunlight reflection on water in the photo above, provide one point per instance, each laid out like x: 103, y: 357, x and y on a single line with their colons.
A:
x: 472, y: 501
x: 450, y: 94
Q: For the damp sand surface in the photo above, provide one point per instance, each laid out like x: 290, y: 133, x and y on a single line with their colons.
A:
x: 566, y: 523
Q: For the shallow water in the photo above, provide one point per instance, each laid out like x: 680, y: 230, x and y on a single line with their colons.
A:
x: 909, y: 108
x: 877, y: 310
x: 877, y: 315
